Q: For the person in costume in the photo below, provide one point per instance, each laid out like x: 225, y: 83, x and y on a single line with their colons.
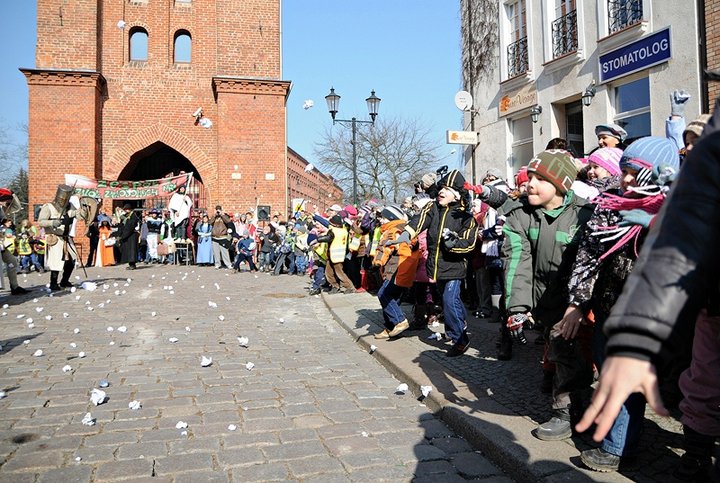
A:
x: 180, y: 206
x: 9, y: 204
x: 58, y: 220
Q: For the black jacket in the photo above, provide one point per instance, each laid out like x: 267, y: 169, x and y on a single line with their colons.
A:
x: 444, y: 263
x: 679, y: 263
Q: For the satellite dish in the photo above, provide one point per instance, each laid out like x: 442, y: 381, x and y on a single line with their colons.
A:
x: 205, y: 122
x: 463, y: 100
x: 309, y: 168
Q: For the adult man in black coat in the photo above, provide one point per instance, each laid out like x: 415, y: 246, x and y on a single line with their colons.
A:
x: 128, y: 237
x: 93, y: 233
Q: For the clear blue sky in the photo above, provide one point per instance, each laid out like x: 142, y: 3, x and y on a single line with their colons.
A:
x: 407, y: 50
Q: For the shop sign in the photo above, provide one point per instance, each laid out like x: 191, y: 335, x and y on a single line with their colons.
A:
x: 517, y: 101
x: 650, y: 50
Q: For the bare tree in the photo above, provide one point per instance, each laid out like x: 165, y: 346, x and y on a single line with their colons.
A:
x: 392, y: 155
x: 13, y: 151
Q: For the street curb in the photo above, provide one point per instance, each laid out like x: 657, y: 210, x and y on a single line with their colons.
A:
x: 502, y: 435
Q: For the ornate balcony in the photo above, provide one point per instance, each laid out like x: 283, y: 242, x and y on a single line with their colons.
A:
x: 517, y: 57
x: 623, y: 13
x: 564, y: 34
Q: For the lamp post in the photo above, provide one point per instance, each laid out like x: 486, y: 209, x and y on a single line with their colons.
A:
x: 588, y: 95
x: 333, y: 103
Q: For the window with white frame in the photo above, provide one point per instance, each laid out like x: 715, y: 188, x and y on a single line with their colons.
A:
x: 522, y: 142
x: 632, y: 107
x: 564, y: 28
x: 517, y: 49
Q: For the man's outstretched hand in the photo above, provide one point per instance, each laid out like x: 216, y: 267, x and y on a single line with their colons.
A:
x: 620, y: 377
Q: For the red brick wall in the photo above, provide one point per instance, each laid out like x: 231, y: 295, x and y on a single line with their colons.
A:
x: 143, y: 103
x: 312, y: 186
x: 67, y: 34
x: 712, y: 30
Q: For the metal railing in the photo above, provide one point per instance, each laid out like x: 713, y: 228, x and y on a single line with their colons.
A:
x: 517, y: 57
x: 623, y: 13
x: 564, y: 34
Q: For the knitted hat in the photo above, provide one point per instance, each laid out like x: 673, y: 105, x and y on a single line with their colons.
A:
x: 611, y: 130
x: 697, y: 126
x: 335, y: 207
x: 336, y: 221
x: 393, y: 212
x: 608, y: 159
x: 454, y: 179
x: 556, y: 166
x: 649, y: 152
x: 494, y: 173
x: 428, y: 180
x: 351, y: 210
x: 521, y: 176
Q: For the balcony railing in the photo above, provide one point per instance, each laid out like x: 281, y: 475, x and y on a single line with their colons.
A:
x: 623, y: 13
x: 517, y: 54
x: 564, y: 34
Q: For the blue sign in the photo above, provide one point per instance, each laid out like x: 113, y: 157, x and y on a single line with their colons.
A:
x: 648, y: 51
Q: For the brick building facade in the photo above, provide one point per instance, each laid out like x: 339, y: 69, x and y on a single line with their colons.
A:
x: 712, y: 48
x: 100, y: 109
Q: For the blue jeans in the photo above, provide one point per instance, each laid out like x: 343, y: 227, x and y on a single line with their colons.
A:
x: 301, y: 263
x: 319, y: 277
x: 624, y: 435
x: 453, y: 309
x: 389, y: 296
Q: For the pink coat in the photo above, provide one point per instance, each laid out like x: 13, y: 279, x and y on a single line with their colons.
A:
x: 421, y: 274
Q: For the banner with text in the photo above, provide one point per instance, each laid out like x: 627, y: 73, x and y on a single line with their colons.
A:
x: 126, y: 190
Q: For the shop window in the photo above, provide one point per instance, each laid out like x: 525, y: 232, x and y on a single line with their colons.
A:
x: 522, y: 142
x: 138, y: 45
x: 632, y: 105
x: 182, y: 47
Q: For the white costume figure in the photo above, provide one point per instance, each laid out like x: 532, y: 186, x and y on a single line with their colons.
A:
x: 180, y: 206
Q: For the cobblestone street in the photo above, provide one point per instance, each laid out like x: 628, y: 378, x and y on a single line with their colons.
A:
x: 314, y: 407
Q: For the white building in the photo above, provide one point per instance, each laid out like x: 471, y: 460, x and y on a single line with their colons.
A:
x: 630, y: 53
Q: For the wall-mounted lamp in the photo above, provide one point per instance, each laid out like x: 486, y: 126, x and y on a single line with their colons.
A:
x: 535, y: 113
x: 588, y: 95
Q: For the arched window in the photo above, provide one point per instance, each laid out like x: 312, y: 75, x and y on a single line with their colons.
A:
x: 183, y: 47
x: 138, y: 44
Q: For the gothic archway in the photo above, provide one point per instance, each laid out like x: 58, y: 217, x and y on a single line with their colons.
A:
x: 159, y: 160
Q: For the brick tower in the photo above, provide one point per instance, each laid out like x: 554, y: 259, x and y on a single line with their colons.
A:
x: 117, y: 82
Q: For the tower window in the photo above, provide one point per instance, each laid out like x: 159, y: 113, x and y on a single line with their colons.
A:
x: 183, y: 47
x: 138, y: 45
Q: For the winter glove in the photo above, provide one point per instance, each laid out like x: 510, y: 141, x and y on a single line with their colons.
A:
x: 663, y: 174
x: 516, y: 323
x: 678, y: 99
x: 481, y: 190
x: 450, y: 238
x: 635, y: 217
x: 404, y: 237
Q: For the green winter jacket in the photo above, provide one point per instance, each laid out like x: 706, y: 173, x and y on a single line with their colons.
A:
x: 538, y: 254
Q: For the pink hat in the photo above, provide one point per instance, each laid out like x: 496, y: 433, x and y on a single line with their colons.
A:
x: 351, y: 210
x: 607, y: 158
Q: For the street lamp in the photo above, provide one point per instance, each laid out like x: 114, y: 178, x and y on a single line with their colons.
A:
x: 588, y: 95
x: 535, y: 113
x: 333, y: 103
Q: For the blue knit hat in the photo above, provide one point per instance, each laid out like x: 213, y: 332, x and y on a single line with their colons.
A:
x: 649, y: 152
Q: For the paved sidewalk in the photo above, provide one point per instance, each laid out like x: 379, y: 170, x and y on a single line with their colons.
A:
x: 315, y: 407
x: 496, y: 404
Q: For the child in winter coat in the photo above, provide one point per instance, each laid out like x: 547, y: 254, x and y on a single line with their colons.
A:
x: 541, y: 240
x: 608, y: 250
x: 451, y: 236
x: 398, y: 265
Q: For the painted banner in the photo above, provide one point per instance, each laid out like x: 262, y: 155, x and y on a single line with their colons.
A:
x: 126, y: 190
